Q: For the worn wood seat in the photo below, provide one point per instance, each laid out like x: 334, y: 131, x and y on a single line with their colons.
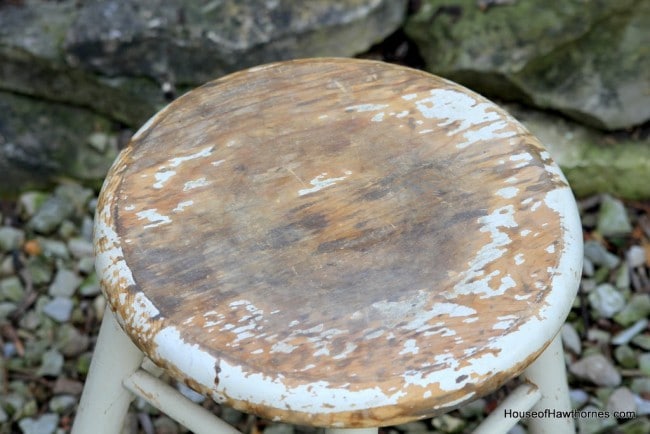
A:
x: 338, y: 242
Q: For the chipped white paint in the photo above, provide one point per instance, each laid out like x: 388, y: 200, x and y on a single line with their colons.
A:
x: 523, y: 159
x: 512, y: 180
x: 349, y: 348
x: 525, y: 232
x: 425, y: 131
x: 550, y: 249
x: 154, y: 217
x: 505, y: 322
x: 475, y: 281
x: 410, y: 347
x: 519, y: 259
x: 366, y: 107
x: 378, y: 117
x: 320, y: 182
x: 374, y: 335
x: 177, y: 161
x: 283, y: 347
x: 452, y: 107
x: 182, y: 205
x: 410, y: 96
x: 554, y: 170
x: 217, y: 163
x: 129, y: 208
x: 507, y: 192
x: 162, y: 177
x: 323, y: 117
x: 402, y: 114
x: 197, y: 183
x: 316, y: 397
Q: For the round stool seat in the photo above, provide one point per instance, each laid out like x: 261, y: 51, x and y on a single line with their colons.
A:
x: 338, y: 242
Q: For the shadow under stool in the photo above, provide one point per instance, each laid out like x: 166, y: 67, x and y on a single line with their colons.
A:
x: 337, y: 243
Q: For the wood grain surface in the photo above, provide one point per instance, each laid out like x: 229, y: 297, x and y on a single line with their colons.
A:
x: 338, y: 242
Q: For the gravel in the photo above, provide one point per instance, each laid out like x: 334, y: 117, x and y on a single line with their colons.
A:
x: 51, y: 306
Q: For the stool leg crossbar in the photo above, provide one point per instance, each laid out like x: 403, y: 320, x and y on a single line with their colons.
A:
x: 105, y: 399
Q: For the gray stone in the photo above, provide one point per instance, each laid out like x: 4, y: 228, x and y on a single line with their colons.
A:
x: 70, y: 341
x: 7, y: 266
x: 597, y: 369
x: 11, y: 289
x: 587, y: 267
x: 449, y: 424
x: 75, y: 194
x: 279, y: 428
x: 623, y: 277
x: 599, y: 336
x: 3, y: 415
x: 637, y: 308
x: 642, y: 341
x: 625, y: 336
x: 644, y: 364
x: 6, y: 309
x: 62, y: 403
x: 51, y: 363
x: 59, y: 309
x: 67, y: 229
x: 30, y: 201
x: 597, y: 254
x: 635, y: 426
x: 635, y: 256
x: 578, y: 398
x: 90, y: 286
x: 591, y: 425
x: 53, y: 248
x: 86, y: 265
x: 50, y: 215
x: 625, y: 356
x: 640, y: 385
x: 570, y: 339
x: 64, y: 284
x: 622, y: 400
x: 130, y: 38
x: 606, y: 300
x: 612, y: 218
x: 642, y: 407
x: 39, y: 270
x: 101, y: 141
x: 583, y: 59
x: 45, y: 424
x: 11, y: 238
x: 80, y: 247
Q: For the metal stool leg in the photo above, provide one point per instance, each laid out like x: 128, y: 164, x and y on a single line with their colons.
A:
x: 105, y: 401
x: 549, y: 375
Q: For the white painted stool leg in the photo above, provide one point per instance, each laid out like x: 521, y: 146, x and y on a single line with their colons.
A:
x: 549, y: 375
x: 105, y: 401
x: 373, y: 430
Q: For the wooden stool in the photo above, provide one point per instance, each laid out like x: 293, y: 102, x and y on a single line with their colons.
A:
x: 337, y: 243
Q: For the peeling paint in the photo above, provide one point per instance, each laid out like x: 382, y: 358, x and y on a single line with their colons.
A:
x: 154, y: 217
x: 320, y: 182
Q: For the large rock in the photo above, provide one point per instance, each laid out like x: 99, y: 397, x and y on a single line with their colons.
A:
x: 593, y: 162
x: 41, y: 142
x: 587, y: 59
x: 86, y: 64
